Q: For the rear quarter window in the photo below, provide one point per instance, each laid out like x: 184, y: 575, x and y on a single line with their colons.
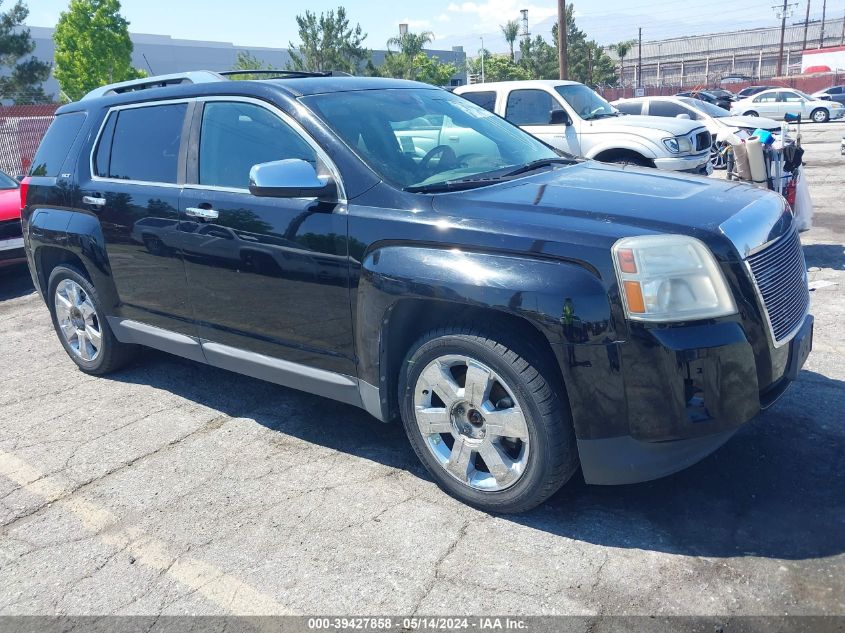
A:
x: 56, y: 144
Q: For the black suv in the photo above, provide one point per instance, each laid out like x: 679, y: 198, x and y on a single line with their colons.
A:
x: 396, y: 247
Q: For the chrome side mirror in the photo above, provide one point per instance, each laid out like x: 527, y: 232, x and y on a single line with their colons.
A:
x: 289, y: 178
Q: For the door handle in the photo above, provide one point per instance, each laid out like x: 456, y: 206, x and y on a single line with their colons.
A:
x: 97, y: 202
x: 205, y: 214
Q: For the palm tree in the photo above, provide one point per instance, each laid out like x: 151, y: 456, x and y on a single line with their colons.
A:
x: 511, y: 31
x: 411, y: 44
x: 622, y: 49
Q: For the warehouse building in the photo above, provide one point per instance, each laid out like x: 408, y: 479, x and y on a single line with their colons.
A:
x: 705, y: 59
x: 162, y: 54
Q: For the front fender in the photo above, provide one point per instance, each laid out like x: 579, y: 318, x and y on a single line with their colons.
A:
x: 643, y: 147
x: 564, y: 301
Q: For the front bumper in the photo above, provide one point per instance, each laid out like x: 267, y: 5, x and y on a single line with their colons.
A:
x: 686, y: 391
x: 696, y: 164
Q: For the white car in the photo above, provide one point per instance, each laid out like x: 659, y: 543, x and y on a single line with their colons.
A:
x: 778, y: 102
x: 573, y: 118
x: 714, y: 118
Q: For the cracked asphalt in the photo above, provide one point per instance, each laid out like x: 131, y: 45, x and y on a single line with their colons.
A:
x: 174, y: 488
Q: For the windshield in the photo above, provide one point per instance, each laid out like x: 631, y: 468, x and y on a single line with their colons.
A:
x: 586, y: 102
x: 707, y: 108
x: 7, y: 182
x: 419, y: 137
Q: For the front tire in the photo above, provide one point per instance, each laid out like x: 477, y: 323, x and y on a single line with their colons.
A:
x: 820, y: 115
x: 81, y: 325
x: 489, y: 425
x: 637, y: 161
x: 751, y: 113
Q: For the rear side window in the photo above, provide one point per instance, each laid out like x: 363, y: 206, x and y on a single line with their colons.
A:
x: 629, y: 108
x: 529, y: 107
x: 144, y: 145
x: 56, y: 144
x: 486, y: 100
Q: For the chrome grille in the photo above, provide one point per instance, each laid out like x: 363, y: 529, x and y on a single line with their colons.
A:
x: 781, y: 278
x: 702, y: 141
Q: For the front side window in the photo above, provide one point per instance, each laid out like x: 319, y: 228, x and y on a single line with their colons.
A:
x: 790, y: 97
x: 668, y: 109
x: 708, y: 108
x: 145, y: 144
x: 235, y: 136
x: 529, y: 107
x: 398, y: 134
x: 586, y: 102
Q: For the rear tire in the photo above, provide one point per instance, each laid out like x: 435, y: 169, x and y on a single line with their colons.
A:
x: 820, y: 115
x: 509, y: 413
x: 81, y: 325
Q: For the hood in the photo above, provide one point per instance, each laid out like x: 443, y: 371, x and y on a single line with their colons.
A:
x: 10, y: 204
x: 599, y: 200
x: 671, y: 126
x: 751, y: 122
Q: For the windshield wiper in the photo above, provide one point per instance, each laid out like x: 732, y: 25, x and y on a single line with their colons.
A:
x: 537, y: 164
x: 453, y: 185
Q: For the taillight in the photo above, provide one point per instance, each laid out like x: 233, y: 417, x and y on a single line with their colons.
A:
x: 24, y: 187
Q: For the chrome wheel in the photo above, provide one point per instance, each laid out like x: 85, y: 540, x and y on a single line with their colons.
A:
x: 820, y: 116
x: 77, y: 319
x: 717, y: 158
x: 471, y: 422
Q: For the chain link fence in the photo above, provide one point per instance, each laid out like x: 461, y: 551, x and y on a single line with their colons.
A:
x: 21, y: 129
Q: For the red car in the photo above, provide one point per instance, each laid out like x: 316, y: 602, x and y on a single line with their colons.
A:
x: 11, y: 236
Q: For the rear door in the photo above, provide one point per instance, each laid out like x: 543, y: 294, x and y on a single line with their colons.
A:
x: 766, y: 104
x: 265, y: 275
x: 131, y: 183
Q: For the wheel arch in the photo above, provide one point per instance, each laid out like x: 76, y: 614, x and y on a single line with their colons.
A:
x: 405, y: 291
x: 611, y: 154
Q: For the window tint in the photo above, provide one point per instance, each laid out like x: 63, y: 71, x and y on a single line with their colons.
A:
x: 627, y: 107
x: 486, y: 100
x: 103, y: 152
x: 56, y: 144
x: 668, y: 109
x: 767, y: 97
x: 789, y: 97
x: 529, y: 107
x: 236, y: 136
x: 146, y: 142
x: 836, y: 90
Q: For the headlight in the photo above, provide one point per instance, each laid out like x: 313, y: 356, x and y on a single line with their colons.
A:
x: 678, y: 144
x: 670, y: 278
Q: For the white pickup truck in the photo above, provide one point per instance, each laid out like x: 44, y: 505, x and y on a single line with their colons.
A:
x: 572, y: 117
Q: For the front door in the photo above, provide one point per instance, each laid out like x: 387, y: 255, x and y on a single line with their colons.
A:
x: 265, y: 275
x: 531, y: 110
x: 133, y: 190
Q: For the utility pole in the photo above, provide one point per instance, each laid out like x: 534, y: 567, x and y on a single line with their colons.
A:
x: 806, y: 26
x: 783, y: 13
x: 640, y: 61
x: 842, y: 38
x: 821, y: 35
x: 561, y: 39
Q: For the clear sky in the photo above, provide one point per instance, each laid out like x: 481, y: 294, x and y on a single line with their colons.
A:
x: 271, y: 23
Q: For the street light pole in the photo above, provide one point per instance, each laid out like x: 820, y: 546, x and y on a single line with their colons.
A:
x: 482, y: 59
x: 784, y: 13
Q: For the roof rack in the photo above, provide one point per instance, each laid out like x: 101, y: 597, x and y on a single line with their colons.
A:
x: 201, y: 77
x: 159, y: 81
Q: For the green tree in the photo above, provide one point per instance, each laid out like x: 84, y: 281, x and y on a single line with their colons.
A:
x: 622, y: 49
x: 420, y: 67
x: 498, y: 68
x: 21, y: 80
x: 510, y: 30
x: 328, y: 42
x: 411, y: 44
x: 246, y: 61
x: 92, y: 47
x: 538, y: 58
